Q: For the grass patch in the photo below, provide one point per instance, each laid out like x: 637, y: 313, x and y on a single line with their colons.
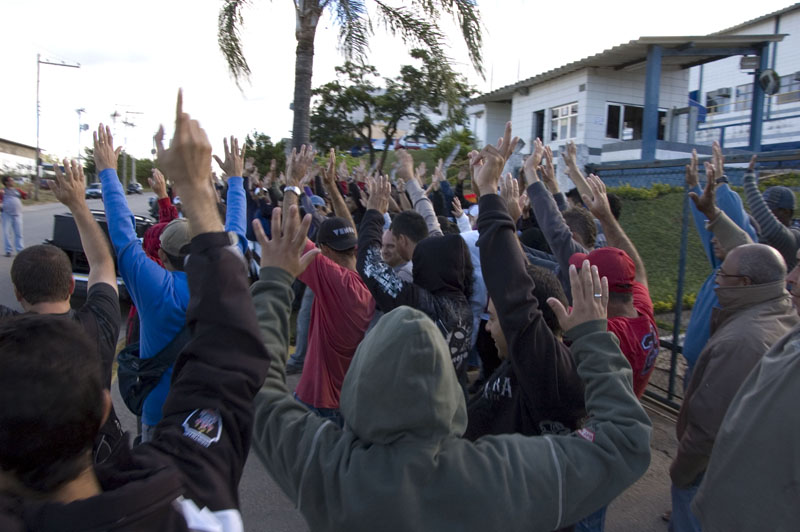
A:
x: 654, y: 227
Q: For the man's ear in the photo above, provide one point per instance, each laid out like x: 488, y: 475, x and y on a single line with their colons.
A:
x: 106, y: 406
x: 71, y: 286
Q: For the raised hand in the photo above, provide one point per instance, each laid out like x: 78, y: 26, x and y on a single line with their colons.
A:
x: 186, y: 162
x: 405, y: 166
x: 549, y: 171
x: 233, y: 165
x: 285, y: 250
x: 691, y: 171
x: 718, y: 159
x: 456, y: 209
x: 298, y: 164
x: 379, y: 190
x: 329, y: 172
x: 158, y: 184
x: 421, y: 172
x: 272, y: 174
x: 532, y: 163
x: 506, y: 144
x: 589, y: 298
x: 105, y: 156
x: 752, y: 166
x: 491, y: 163
x: 706, y: 202
x: 598, y: 203
x: 570, y: 155
x: 70, y: 189
x: 462, y: 175
x: 509, y: 191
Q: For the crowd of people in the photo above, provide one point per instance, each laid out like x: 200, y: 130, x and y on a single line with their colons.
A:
x: 399, y: 286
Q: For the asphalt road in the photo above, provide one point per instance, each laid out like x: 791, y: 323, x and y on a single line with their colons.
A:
x: 263, y: 504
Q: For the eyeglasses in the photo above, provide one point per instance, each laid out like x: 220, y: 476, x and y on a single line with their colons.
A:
x: 720, y: 273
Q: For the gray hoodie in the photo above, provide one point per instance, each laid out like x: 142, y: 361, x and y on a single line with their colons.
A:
x: 400, y: 462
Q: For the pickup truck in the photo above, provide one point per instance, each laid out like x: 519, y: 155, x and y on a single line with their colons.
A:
x: 66, y: 237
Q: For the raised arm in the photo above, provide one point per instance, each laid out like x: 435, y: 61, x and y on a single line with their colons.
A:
x: 236, y: 211
x: 727, y: 232
x: 599, y: 207
x: 208, y: 418
x: 70, y: 189
x: 339, y: 206
x: 773, y: 232
x: 422, y: 204
x: 166, y: 210
x: 573, y: 171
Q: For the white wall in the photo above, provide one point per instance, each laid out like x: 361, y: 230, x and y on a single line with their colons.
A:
x: 488, y: 121
x: 726, y: 73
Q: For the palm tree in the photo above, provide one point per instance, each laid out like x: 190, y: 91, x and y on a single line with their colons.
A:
x: 417, y: 24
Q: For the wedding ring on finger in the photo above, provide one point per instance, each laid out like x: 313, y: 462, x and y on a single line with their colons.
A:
x: 598, y: 295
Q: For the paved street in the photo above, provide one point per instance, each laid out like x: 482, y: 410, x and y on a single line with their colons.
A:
x: 265, y: 507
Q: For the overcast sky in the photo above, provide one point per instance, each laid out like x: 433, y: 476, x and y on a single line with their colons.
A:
x: 135, y: 55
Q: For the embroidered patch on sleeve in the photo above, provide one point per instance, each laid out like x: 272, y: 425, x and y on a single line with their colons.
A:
x: 203, y: 426
x: 586, y: 434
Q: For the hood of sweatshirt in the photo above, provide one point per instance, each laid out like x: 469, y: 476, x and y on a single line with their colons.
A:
x: 440, y: 264
x: 401, y: 384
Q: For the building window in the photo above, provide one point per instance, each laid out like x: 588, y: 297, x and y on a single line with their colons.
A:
x: 790, y: 88
x: 718, y: 101
x: 744, y: 97
x: 625, y: 122
x: 564, y: 122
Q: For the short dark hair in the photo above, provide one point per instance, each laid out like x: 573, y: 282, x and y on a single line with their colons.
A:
x: 7, y: 178
x: 410, y: 224
x: 51, y: 391
x: 447, y: 227
x: 615, y: 202
x: 546, y: 285
x: 42, y: 273
x: 580, y: 221
x: 574, y: 195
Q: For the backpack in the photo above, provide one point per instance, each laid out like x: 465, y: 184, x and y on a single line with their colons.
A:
x: 138, y: 376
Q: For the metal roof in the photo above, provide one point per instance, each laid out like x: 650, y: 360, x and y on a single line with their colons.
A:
x: 759, y: 19
x: 633, y: 56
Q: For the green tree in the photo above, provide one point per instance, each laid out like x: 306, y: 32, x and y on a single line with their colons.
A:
x: 261, y: 148
x: 417, y: 23
x: 420, y: 93
x: 345, y: 110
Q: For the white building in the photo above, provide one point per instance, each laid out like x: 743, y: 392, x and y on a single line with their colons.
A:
x: 16, y: 158
x: 631, y: 102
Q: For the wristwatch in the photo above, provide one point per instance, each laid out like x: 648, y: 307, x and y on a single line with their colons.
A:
x: 721, y: 179
x: 294, y: 189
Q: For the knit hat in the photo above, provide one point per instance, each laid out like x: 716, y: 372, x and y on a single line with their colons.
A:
x: 612, y: 263
x: 779, y: 198
x: 175, y: 238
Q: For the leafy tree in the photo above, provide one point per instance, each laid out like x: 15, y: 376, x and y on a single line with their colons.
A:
x: 345, y: 112
x: 416, y: 22
x: 261, y: 148
x: 447, y: 142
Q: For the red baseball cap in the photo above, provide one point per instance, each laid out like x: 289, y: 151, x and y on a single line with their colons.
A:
x: 612, y: 263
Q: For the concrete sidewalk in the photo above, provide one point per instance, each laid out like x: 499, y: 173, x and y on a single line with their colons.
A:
x: 641, y: 506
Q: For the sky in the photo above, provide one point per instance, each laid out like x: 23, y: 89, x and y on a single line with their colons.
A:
x: 134, y: 56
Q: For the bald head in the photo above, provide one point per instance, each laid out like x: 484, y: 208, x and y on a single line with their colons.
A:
x: 762, y: 264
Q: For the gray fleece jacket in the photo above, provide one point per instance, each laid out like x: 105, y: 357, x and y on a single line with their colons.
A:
x: 400, y: 462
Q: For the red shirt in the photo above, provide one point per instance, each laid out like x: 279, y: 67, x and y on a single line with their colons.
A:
x: 638, y: 338
x: 342, y: 310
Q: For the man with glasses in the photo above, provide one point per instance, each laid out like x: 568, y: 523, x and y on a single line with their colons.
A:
x: 754, y: 312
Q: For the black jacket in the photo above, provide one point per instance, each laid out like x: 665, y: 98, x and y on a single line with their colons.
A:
x: 440, y: 277
x: 202, y: 442
x: 536, y: 390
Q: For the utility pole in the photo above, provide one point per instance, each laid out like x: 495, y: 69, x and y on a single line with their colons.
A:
x: 81, y: 128
x: 39, y: 62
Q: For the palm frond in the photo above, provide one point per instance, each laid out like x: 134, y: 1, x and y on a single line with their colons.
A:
x: 467, y: 15
x: 355, y: 27
x: 405, y: 23
x: 228, y: 24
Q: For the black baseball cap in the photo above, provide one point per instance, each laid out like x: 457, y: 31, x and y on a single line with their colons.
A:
x: 337, y: 233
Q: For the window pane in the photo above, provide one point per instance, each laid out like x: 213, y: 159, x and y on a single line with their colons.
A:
x: 562, y: 132
x: 555, y: 113
x: 612, y: 122
x: 554, y: 130
x: 574, y: 108
x: 633, y: 121
x: 573, y: 126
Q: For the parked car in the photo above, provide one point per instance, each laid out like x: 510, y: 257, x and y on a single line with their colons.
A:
x: 94, y: 190
x: 66, y: 237
x: 134, y: 187
x: 414, y: 142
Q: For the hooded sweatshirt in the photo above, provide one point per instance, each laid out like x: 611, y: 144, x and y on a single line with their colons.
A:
x: 400, y: 463
x: 441, y: 269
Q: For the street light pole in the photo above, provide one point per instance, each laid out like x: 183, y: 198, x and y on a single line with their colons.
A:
x: 39, y: 62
